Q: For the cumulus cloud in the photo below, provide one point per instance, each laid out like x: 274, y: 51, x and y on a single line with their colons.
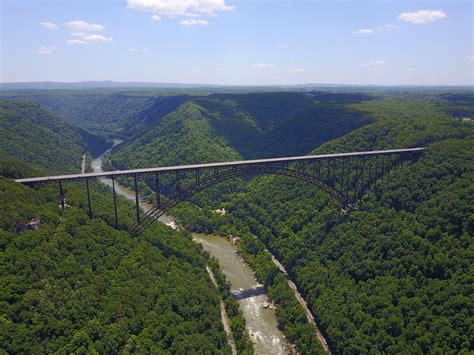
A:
x: 86, y: 38
x: 177, y: 7
x: 296, y: 70
x: 155, y: 18
x: 263, y: 65
x: 369, y: 31
x: 194, y: 22
x: 422, y: 16
x: 80, y: 25
x: 363, y: 31
x: 77, y: 42
x: 46, y: 50
x: 374, y: 64
x: 138, y: 50
x: 95, y: 38
x: 49, y: 25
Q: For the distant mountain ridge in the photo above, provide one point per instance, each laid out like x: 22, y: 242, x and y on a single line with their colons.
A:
x: 137, y: 84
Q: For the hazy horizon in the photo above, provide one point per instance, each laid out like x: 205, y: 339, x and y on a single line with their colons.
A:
x: 239, y: 43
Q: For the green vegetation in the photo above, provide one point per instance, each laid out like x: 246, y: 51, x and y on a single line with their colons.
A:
x: 393, y: 276
x: 74, y: 284
x: 291, y: 315
x: 185, y: 136
x: 78, y: 285
x: 34, y: 136
x: 237, y: 322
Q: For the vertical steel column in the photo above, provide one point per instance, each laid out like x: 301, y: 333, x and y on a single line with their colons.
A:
x: 360, y: 182
x: 178, y: 183
x: 61, y: 195
x: 369, y: 177
x: 343, y: 161
x: 89, y: 198
x: 137, y: 205
x: 115, y: 202
x: 327, y: 172
x: 377, y: 172
x: 158, y: 197
x: 347, y: 170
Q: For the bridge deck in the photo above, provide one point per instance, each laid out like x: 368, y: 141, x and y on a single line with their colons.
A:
x: 215, y: 165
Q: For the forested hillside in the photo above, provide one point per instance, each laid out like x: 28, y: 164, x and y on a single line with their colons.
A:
x: 74, y: 284
x: 79, y: 285
x: 32, y: 135
x: 224, y: 127
x: 109, y: 113
x: 393, y: 276
x: 184, y: 136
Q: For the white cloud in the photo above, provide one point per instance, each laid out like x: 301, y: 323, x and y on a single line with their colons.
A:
x: 80, y: 25
x: 297, y: 70
x: 138, y: 50
x: 470, y: 58
x: 369, y: 31
x: 180, y: 7
x: 422, y: 16
x: 411, y: 69
x: 155, y: 18
x: 374, y: 63
x: 363, y: 31
x: 46, y: 50
x: 94, y: 38
x: 282, y: 45
x: 86, y: 39
x: 263, y: 65
x: 49, y: 25
x: 194, y: 22
x: 77, y: 42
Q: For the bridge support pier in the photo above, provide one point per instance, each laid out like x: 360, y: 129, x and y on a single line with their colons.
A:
x: 89, y: 199
x: 137, y: 205
x: 61, y: 195
x: 115, y: 202
x: 158, y: 196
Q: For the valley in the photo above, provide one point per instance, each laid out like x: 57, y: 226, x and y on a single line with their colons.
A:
x: 389, y: 276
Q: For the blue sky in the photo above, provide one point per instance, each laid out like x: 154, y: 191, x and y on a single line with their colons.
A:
x: 247, y: 42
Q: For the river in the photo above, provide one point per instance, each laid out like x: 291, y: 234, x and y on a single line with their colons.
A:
x: 261, y: 322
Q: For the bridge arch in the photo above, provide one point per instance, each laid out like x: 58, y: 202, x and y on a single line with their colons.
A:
x: 187, y: 192
x: 340, y: 174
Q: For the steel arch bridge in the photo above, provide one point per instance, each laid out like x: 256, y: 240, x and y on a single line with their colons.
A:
x: 344, y: 176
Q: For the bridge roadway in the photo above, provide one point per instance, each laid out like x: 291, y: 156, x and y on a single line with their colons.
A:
x: 217, y: 165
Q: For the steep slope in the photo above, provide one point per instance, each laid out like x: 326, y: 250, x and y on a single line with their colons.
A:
x: 79, y: 285
x: 392, y: 276
x: 254, y: 125
x: 268, y: 109
x: 184, y: 136
x: 110, y: 113
x: 308, y: 128
x: 35, y: 136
